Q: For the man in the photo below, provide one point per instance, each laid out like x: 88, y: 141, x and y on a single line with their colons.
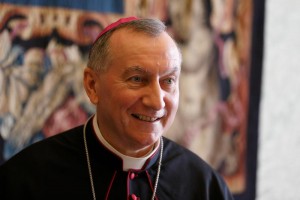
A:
x: 132, y: 78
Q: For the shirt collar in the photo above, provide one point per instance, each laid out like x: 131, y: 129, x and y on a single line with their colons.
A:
x: 128, y: 162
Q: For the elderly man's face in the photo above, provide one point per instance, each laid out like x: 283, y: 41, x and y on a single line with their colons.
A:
x: 137, y: 96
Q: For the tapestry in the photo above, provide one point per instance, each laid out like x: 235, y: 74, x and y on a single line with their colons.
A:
x: 44, y: 48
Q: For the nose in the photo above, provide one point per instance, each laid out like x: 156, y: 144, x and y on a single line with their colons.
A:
x: 154, y: 96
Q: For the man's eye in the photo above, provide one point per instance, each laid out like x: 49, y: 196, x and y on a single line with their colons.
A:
x: 136, y: 79
x: 170, y: 81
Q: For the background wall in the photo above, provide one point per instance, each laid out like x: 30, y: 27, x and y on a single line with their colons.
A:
x: 279, y: 135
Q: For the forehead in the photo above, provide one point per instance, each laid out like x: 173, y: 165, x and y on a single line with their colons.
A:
x: 128, y: 44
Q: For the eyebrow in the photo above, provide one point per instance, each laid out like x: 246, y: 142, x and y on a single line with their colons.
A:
x: 134, y: 69
x: 172, y: 70
x: 145, y: 71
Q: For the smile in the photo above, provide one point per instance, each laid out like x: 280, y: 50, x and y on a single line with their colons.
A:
x: 146, y: 118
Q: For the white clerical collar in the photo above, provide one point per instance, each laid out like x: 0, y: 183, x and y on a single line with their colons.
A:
x: 128, y: 162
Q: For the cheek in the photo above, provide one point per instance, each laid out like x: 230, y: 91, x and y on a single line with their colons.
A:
x: 172, y: 103
x: 124, y: 101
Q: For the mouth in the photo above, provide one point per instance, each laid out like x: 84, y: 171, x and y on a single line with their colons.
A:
x: 146, y: 118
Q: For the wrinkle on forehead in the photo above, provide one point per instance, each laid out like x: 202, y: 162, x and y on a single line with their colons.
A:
x: 127, y: 41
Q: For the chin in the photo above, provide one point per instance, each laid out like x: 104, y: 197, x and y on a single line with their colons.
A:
x: 149, y: 140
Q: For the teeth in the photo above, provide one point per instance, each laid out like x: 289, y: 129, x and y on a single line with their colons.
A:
x: 145, y: 118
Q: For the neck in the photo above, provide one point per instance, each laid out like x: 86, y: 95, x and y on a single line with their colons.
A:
x: 138, y: 153
x: 132, y: 150
x: 131, y: 159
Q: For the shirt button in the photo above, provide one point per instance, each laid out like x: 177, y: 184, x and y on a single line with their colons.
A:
x: 133, y: 197
x: 132, y: 175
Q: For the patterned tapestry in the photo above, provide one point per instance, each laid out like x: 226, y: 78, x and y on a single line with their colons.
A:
x: 44, y: 46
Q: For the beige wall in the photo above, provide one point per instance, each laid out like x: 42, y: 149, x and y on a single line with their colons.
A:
x: 279, y: 142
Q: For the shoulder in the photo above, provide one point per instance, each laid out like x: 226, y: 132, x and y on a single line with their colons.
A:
x: 42, y: 164
x: 185, y: 166
x: 177, y: 153
x: 49, y: 148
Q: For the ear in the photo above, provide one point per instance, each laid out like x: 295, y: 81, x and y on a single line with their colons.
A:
x: 90, y: 86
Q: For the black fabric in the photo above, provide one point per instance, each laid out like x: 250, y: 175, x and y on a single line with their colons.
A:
x: 56, y: 168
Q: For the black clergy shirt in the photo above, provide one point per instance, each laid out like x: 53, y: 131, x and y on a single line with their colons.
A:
x: 56, y: 168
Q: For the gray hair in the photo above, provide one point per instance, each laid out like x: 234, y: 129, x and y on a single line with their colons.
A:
x: 99, y: 52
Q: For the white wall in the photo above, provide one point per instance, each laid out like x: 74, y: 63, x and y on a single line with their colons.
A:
x: 279, y: 142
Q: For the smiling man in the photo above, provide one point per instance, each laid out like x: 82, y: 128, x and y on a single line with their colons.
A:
x: 132, y: 78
